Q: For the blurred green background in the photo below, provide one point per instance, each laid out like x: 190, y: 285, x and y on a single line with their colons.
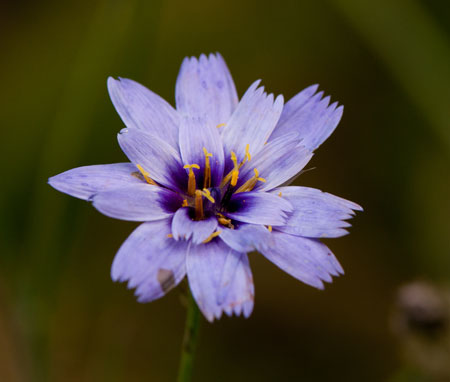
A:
x: 388, y: 62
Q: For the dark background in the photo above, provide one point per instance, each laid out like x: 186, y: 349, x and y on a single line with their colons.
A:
x: 388, y: 62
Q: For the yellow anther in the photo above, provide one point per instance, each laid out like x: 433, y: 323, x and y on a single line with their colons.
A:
x: 250, y: 184
x: 191, y: 181
x: 207, y: 177
x: 269, y: 227
x: 170, y: 236
x: 207, y: 194
x: 279, y: 194
x: 198, y: 205
x: 221, y: 125
x: 146, y: 175
x: 212, y: 236
x: 185, y: 203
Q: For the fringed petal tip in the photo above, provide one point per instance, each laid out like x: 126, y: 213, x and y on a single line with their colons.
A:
x: 311, y: 114
x: 308, y: 260
x: 243, y: 309
x: 220, y: 280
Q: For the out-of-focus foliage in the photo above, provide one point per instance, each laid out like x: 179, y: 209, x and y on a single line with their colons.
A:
x: 61, y: 317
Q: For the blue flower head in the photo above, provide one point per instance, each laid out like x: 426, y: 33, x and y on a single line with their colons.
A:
x: 208, y: 182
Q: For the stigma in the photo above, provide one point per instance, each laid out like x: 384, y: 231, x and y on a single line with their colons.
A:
x: 250, y: 184
x: 207, y: 177
x: 233, y: 175
x: 191, y: 181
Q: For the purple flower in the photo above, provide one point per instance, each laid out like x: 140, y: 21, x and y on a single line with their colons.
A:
x: 208, y: 181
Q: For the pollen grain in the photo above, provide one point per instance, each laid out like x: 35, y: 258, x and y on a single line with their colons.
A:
x: 212, y: 236
x: 146, y: 175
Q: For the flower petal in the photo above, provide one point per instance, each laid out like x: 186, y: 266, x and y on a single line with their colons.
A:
x: 245, y: 237
x: 195, y: 135
x: 296, y: 103
x: 159, y: 159
x: 84, y: 182
x: 316, y: 213
x: 237, y: 290
x: 150, y: 261
x: 258, y: 208
x: 310, y: 116
x: 220, y: 279
x: 307, y: 260
x: 251, y: 123
x: 205, y: 89
x: 141, y: 202
x: 277, y: 162
x: 142, y: 109
x: 184, y: 227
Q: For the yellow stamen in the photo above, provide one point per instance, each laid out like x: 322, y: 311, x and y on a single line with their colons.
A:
x: 207, y: 194
x: 212, y: 236
x: 185, y: 203
x: 233, y: 174
x: 191, y: 181
x: 198, y: 205
x: 279, y: 194
x: 207, y: 177
x: 221, y: 125
x: 169, y: 235
x: 146, y: 175
x: 269, y: 227
x: 234, y: 159
x: 234, y: 177
x: 250, y: 184
x: 247, y: 154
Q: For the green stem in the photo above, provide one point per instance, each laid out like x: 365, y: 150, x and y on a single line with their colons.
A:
x: 191, y: 330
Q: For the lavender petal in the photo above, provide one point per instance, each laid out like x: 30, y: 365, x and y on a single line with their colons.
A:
x: 277, y: 162
x: 309, y: 115
x: 220, y: 279
x: 205, y: 89
x: 141, y: 202
x: 161, y: 161
x: 308, y: 260
x: 251, y: 123
x: 245, y: 237
x: 150, y: 261
x: 195, y: 135
x: 184, y: 227
x: 258, y: 208
x: 84, y: 182
x: 140, y: 108
x: 316, y: 214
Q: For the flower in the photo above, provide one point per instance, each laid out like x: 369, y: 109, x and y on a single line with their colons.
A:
x: 207, y: 181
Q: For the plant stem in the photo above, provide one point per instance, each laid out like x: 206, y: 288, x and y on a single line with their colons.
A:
x: 190, y: 337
